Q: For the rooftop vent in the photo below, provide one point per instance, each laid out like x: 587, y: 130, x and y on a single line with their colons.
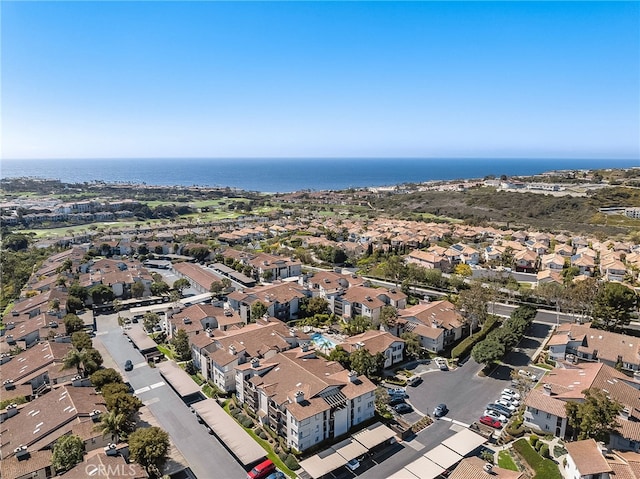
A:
x: 488, y: 468
x: 8, y: 384
x: 299, y: 396
x: 21, y: 452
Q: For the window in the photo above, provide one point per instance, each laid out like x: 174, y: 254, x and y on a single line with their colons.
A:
x: 548, y: 415
x: 370, y: 404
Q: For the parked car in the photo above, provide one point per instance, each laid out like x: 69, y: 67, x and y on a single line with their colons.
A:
x: 353, y: 464
x: 506, y: 404
x: 276, y: 475
x: 414, y: 380
x: 499, y: 409
x: 523, y: 373
x: 128, y: 365
x: 510, y: 400
x: 403, y: 408
x: 395, y: 400
x: 440, y: 410
x: 262, y: 470
x: 441, y: 363
x: 495, y: 415
x: 511, y: 392
x: 489, y: 421
x: 397, y: 392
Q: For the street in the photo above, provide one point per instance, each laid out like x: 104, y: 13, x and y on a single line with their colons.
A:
x: 203, y: 452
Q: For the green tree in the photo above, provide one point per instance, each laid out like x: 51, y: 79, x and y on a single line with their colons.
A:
x: 393, y: 268
x: 158, y: 288
x: 363, y: 362
x: 78, y: 291
x: 81, y: 340
x: 216, y: 287
x: 149, y: 447
x: 137, y: 289
x: 123, y: 403
x: 150, y: 320
x: 114, y: 425
x: 388, y: 316
x: 103, y: 377
x: 67, y: 452
x: 382, y: 398
x: 74, y: 304
x: 614, y: 306
x: 109, y: 389
x: 595, y: 417
x: 101, y: 293
x: 412, y: 347
x: 488, y: 352
x: 181, y: 284
x: 312, y: 306
x: 180, y: 344
x: 340, y: 355
x: 258, y: 309
x: 92, y: 360
x: 72, y: 323
x: 357, y: 325
x: 473, y: 302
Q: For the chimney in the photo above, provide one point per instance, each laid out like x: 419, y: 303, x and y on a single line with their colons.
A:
x: 232, y: 350
x: 304, y: 347
x: 292, y: 332
x: 10, y: 411
x: 625, y: 413
x: 21, y: 453
x: 255, y: 363
x: 353, y: 376
x: 8, y: 384
x: 488, y: 468
x: 110, y: 449
x: 5, y: 358
x: 299, y: 396
x: 95, y: 415
x: 547, y: 389
x: 10, y: 325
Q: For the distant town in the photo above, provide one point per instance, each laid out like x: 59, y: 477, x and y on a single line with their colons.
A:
x: 463, y: 329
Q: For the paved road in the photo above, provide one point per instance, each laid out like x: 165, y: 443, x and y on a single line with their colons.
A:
x: 202, y: 451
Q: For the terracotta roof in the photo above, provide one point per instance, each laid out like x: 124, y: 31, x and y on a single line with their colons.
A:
x: 374, y: 341
x: 587, y: 457
x: 12, y: 468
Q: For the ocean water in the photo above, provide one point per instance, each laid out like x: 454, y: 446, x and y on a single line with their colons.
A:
x: 287, y: 174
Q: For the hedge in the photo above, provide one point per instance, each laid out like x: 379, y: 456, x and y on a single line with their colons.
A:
x: 464, y: 347
x: 544, y: 468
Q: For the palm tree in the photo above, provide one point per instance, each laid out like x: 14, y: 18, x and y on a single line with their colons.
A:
x: 113, y: 424
x: 74, y: 359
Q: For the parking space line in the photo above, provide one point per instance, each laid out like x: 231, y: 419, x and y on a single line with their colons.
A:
x: 157, y: 385
x: 142, y: 390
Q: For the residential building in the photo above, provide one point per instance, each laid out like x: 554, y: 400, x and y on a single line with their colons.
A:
x: 375, y: 341
x: 585, y: 461
x: 304, y: 398
x: 587, y: 344
x: 437, y: 324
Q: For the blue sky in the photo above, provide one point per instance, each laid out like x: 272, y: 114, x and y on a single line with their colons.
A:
x: 286, y: 79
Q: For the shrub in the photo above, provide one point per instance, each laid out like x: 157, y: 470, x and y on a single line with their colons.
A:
x: 283, y: 455
x: 247, y: 422
x: 544, y: 451
x: 544, y: 468
x: 559, y: 451
x: 291, y: 462
x: 533, y: 440
x: 464, y: 347
x: 262, y: 434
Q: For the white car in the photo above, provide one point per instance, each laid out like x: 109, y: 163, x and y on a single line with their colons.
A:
x: 495, y: 415
x: 511, y: 392
x: 353, y: 464
x: 510, y: 400
x: 506, y: 404
x: 523, y: 373
x: 397, y: 392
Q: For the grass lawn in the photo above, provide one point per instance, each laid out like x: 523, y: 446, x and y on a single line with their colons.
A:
x: 166, y: 350
x: 505, y: 461
x: 544, y: 468
x: 267, y: 447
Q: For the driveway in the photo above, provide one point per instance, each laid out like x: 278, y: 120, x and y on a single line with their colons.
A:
x: 203, y: 452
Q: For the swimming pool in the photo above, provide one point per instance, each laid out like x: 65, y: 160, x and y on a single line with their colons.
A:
x: 322, y: 342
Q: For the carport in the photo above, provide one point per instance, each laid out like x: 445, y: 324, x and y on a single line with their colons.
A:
x: 402, y: 474
x: 147, y: 346
x: 180, y: 381
x: 231, y: 435
x: 424, y: 468
x: 464, y: 442
x: 374, y: 435
x: 323, y: 463
x: 443, y: 456
x: 339, y: 454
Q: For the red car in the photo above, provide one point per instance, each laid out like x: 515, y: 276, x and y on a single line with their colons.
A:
x: 489, y: 421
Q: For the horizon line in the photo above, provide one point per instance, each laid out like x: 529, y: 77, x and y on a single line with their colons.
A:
x: 333, y: 157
